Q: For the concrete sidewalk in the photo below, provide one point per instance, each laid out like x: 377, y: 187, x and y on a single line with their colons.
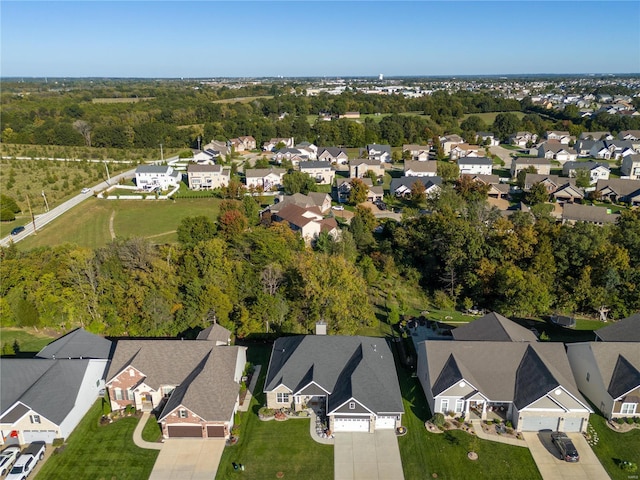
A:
x: 137, y: 434
x: 252, y: 385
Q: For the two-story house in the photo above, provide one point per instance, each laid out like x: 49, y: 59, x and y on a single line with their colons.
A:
x: 265, y: 178
x: 207, y: 177
x: 320, y: 171
x: 149, y: 177
x: 475, y: 165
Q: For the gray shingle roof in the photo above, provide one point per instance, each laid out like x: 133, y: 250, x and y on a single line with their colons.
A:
x: 77, y: 344
x: 475, y: 161
x: 588, y: 213
x: 315, y: 164
x: 625, y: 330
x: 619, y: 365
x: 358, y: 367
x: 493, y: 327
x: 409, y: 181
x: 152, y: 169
x: 215, y: 333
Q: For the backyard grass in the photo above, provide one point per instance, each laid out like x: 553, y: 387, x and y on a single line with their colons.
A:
x: 490, y: 117
x: 426, y: 455
x: 266, y: 448
x: 151, y: 431
x: 614, y: 447
x: 29, y: 341
x: 100, y: 452
x: 88, y: 225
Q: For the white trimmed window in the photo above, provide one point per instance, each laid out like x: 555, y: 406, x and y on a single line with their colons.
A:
x: 34, y: 418
x: 182, y: 413
x: 282, y: 398
x: 117, y: 393
x: 628, y: 408
x: 132, y: 373
x: 444, y: 405
x: 459, y: 406
x: 352, y: 405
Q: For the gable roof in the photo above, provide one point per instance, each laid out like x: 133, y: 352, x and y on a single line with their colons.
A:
x: 625, y: 330
x: 418, y: 166
x: 158, y: 169
x: 408, y: 182
x: 619, y: 365
x: 588, y: 213
x: 346, y: 366
x: 77, y: 344
x: 621, y: 186
x: 198, y: 168
x: 502, y: 371
x: 263, y: 172
x: 49, y: 387
x: 315, y: 164
x: 493, y: 327
x: 475, y: 161
x: 333, y: 151
x: 215, y: 333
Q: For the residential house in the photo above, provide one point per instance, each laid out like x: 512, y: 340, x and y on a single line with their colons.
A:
x: 379, y: 153
x: 631, y: 166
x: 333, y: 155
x: 271, y: 145
x: 625, y: 330
x: 551, y: 182
x: 244, y: 143
x: 596, y: 136
x: 215, y: 333
x: 417, y: 152
x: 619, y: 190
x: 359, y: 167
x: 573, y: 212
x: 493, y: 327
x: 522, y: 139
x: 293, y: 155
x: 314, y: 199
x: 417, y: 168
x: 193, y: 384
x: 633, y: 135
x: 320, y: 171
x: 350, y: 379
x: 218, y: 148
x: 557, y: 151
x: 608, y: 374
x: 475, y: 165
x: 583, y: 147
x: 568, y: 192
x: 563, y: 137
x: 149, y: 177
x: 449, y: 141
x: 487, y: 138
x: 266, y: 178
x: 207, y: 177
x: 527, y: 383
x: 45, y: 397
x: 309, y: 149
x: 206, y: 156
x: 343, y: 189
x: 597, y: 171
x: 309, y: 222
x: 496, y: 189
x: 401, y: 187
x: 464, y: 150
x: 612, y: 149
x: 542, y: 165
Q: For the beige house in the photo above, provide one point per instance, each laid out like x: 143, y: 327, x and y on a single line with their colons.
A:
x: 207, y: 177
x: 416, y: 168
x: 450, y: 141
x: 542, y: 165
x: 464, y: 150
x: 417, y: 152
x: 631, y: 166
x: 309, y: 222
x: 360, y: 166
x: 333, y: 155
x: 320, y: 171
x: 313, y: 199
x: 265, y: 178
x: 244, y: 143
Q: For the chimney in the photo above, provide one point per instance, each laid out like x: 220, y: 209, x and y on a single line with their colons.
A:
x: 321, y: 328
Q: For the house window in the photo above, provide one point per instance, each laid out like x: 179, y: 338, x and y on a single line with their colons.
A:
x: 182, y: 413
x: 628, y: 409
x: 444, y: 405
x: 118, y: 393
x: 352, y: 405
x: 166, y: 391
x: 282, y: 398
x: 588, y: 376
x: 35, y: 418
x: 459, y: 406
x: 132, y: 373
x: 128, y: 394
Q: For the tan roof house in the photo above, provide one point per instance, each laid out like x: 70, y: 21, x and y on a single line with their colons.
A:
x: 207, y: 177
x: 267, y: 178
x: 417, y: 168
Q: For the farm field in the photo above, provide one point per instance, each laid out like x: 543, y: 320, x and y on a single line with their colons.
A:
x: 89, y: 224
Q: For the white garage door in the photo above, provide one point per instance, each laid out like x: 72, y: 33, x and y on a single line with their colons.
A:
x: 534, y: 424
x: 572, y: 425
x: 385, y: 422
x: 46, y: 436
x: 351, y: 424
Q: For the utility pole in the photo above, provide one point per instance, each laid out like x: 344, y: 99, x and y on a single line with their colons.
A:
x: 33, y: 219
x: 108, y: 176
x: 46, y: 204
x: 198, y: 142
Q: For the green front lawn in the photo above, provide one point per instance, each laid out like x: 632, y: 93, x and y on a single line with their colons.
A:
x: 100, y: 453
x: 614, y: 447
x: 266, y: 448
x: 426, y: 454
x: 151, y: 431
x: 29, y: 341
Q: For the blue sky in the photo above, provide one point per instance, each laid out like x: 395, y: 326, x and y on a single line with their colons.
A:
x: 213, y: 39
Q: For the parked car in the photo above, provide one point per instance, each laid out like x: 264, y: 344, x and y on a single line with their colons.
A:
x: 565, y: 446
x: 338, y: 207
x: 85, y: 190
x: 7, y: 458
x: 27, y: 461
x: 17, y: 230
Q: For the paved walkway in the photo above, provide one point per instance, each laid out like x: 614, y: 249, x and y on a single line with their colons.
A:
x: 314, y: 434
x: 546, y: 456
x: 137, y: 435
x: 188, y: 459
x: 252, y: 385
x: 367, y: 456
x: 477, y: 426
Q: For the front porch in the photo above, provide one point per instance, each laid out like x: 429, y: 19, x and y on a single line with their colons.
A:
x: 485, y: 410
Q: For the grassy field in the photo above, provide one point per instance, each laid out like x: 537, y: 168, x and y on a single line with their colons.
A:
x: 121, y: 100
x: 88, y: 225
x: 490, y: 117
x: 84, y: 153
x: 426, y: 455
x: 377, y: 117
x: 29, y: 340
x: 100, y: 452
x: 266, y: 448
x: 614, y: 447
x: 242, y: 99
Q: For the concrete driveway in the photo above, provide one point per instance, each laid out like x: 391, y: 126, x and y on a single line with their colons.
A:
x: 546, y: 456
x: 188, y: 459
x: 367, y: 456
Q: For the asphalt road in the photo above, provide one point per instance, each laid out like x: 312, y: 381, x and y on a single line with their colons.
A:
x: 43, y: 219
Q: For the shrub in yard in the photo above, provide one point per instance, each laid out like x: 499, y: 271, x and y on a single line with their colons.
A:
x: 57, y: 442
x: 106, y: 407
x: 438, y: 419
x: 629, y: 467
x: 629, y: 420
x: 509, y: 424
x: 636, y: 419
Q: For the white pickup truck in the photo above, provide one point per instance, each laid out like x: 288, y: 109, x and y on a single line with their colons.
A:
x: 27, y: 461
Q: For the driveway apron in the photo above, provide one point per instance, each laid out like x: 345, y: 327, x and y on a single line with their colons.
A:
x: 366, y: 456
x: 188, y: 459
